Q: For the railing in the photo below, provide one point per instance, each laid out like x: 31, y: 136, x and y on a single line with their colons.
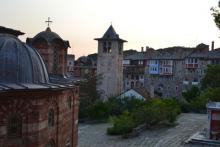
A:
x: 186, y: 82
x: 195, y: 83
x: 192, y: 65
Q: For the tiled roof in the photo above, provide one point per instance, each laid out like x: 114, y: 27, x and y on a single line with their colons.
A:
x: 136, y: 56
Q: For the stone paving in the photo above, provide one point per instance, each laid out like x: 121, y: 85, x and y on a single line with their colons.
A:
x: 94, y: 135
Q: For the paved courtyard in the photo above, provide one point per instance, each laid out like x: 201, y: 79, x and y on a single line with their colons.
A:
x: 95, y: 135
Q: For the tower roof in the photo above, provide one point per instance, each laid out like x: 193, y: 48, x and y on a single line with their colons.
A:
x: 111, y: 34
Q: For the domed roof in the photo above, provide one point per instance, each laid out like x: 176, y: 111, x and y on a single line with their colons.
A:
x: 49, y: 36
x: 20, y: 63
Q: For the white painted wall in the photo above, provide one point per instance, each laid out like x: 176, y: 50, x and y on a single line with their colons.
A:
x: 132, y: 93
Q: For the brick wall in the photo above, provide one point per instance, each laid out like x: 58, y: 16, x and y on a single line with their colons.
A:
x: 33, y: 107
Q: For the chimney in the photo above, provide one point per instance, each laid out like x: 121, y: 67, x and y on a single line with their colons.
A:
x: 213, y: 45
x: 147, y: 47
x: 142, y: 49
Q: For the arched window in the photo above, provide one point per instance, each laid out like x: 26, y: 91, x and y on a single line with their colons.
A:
x: 14, y: 128
x: 68, y: 143
x: 51, y: 118
x: 50, y: 144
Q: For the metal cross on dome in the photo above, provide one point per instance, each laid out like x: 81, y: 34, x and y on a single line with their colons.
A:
x: 48, y: 22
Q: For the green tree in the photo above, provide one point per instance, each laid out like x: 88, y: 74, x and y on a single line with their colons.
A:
x: 212, y: 77
x: 210, y: 94
x: 88, y: 94
x: 191, y: 94
x: 216, y: 14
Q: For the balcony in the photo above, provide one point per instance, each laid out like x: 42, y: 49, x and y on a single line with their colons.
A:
x: 166, y: 73
x: 192, y: 65
x: 185, y: 82
x: 134, y: 70
x: 195, y: 83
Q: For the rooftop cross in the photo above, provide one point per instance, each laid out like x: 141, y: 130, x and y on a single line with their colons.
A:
x: 48, y: 22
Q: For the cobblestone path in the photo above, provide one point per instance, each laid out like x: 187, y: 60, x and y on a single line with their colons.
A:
x: 95, y: 135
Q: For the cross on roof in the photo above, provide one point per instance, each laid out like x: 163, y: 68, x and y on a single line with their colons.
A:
x: 48, y: 22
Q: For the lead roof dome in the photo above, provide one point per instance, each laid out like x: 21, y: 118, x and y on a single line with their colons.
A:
x: 49, y: 36
x: 20, y: 63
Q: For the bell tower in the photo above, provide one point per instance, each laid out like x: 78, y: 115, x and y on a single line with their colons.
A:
x: 109, y: 63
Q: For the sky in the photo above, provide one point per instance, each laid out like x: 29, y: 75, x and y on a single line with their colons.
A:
x: 153, y: 23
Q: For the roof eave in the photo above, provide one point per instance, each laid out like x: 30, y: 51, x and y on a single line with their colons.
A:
x: 103, y: 39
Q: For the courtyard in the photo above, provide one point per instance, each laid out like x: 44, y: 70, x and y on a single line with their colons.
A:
x: 94, y: 135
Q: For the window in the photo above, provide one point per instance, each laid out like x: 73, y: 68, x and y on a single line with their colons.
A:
x: 55, y: 60
x: 132, y: 84
x: 120, y: 48
x: 196, y: 61
x: 109, y: 48
x: 14, y: 128
x: 69, y: 102
x: 68, y: 144
x: 51, y: 118
x: 104, y: 47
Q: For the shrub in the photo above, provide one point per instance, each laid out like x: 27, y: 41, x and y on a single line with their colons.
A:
x: 151, y: 112
x: 185, y: 106
x: 171, y: 110
x: 115, y: 106
x: 98, y: 111
x: 122, y: 125
x: 191, y: 94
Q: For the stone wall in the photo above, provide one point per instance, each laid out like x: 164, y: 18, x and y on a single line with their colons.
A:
x: 109, y: 66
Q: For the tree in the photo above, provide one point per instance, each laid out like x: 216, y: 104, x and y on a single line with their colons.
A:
x: 216, y: 14
x: 88, y: 93
x: 212, y: 77
x: 191, y: 94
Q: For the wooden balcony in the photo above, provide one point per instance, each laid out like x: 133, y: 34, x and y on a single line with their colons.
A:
x: 192, y: 65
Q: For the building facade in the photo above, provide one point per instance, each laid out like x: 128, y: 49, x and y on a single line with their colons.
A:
x: 35, y: 111
x: 109, y: 63
x: 171, y: 71
x: 85, y: 65
x: 134, y: 71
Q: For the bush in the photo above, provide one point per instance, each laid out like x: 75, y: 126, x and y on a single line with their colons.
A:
x: 185, y: 106
x: 122, y: 125
x: 191, y: 94
x: 151, y: 112
x: 115, y: 106
x: 98, y: 111
x: 198, y: 104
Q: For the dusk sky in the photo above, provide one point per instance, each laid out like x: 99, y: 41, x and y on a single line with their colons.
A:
x: 154, y: 23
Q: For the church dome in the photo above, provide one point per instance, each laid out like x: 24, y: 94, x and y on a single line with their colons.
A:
x: 20, y: 63
x: 49, y: 36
